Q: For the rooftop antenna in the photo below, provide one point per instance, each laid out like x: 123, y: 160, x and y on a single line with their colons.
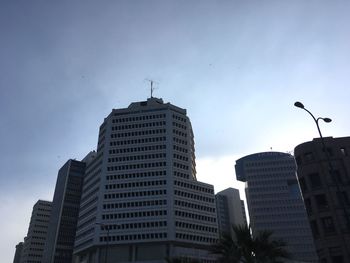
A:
x: 152, y: 86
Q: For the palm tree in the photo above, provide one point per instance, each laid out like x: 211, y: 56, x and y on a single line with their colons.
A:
x: 244, y: 248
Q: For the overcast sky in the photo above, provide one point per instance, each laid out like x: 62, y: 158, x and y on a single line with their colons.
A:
x: 236, y: 66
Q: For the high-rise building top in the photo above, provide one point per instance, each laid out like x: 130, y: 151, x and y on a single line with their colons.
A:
x: 34, y: 243
x: 229, y: 210
x: 141, y: 199
x: 275, y: 202
x: 326, y: 195
x: 65, y: 211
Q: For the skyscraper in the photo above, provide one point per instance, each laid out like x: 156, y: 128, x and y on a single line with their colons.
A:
x: 275, y: 202
x: 141, y: 200
x: 34, y: 242
x: 229, y: 209
x: 64, y: 215
x: 327, y: 195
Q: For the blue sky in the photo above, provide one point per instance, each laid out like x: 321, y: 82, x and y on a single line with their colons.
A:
x: 236, y: 66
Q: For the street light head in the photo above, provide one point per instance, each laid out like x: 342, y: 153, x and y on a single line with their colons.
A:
x: 327, y: 119
x: 299, y: 105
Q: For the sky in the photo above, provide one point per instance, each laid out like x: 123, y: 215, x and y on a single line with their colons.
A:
x: 236, y: 66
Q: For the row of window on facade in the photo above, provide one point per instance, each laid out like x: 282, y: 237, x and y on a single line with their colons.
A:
x: 135, y: 204
x: 138, y: 141
x: 138, y: 133
x: 138, y: 149
x: 314, y: 180
x: 138, y: 214
x: 138, y: 125
x: 310, y: 156
x: 137, y: 118
x: 136, y: 184
x: 136, y: 175
x: 135, y: 194
x: 127, y: 158
x: 135, y: 166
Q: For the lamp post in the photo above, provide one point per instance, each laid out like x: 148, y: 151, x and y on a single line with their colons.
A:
x: 331, y: 168
x: 107, y: 247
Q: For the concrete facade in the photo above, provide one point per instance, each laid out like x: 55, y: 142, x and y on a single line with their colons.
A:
x: 275, y: 202
x: 141, y: 201
x: 34, y: 242
x: 327, y: 195
x: 229, y: 209
x: 65, y: 210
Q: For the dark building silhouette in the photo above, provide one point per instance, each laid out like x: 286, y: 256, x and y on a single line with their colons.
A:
x: 275, y: 201
x: 18, y: 253
x: 326, y: 195
x: 65, y: 211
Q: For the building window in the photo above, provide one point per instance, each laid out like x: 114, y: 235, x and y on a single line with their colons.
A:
x: 298, y: 160
x: 309, y: 156
x: 321, y: 202
x: 328, y: 224
x: 337, y: 176
x: 315, y: 180
x: 314, y: 229
x: 330, y: 151
x: 343, y: 151
x: 337, y: 259
x: 343, y: 198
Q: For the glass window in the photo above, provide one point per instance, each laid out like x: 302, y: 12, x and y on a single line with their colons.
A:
x: 309, y: 156
x: 343, y: 151
x: 321, y: 202
x: 315, y: 180
x: 314, y: 228
x: 328, y: 224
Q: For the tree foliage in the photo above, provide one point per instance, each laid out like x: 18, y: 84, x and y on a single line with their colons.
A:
x: 244, y: 248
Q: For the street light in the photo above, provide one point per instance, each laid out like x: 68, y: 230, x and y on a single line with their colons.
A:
x: 105, y: 227
x: 298, y: 104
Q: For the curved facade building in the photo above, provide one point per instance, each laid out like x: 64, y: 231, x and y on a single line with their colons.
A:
x: 327, y: 195
x: 275, y: 202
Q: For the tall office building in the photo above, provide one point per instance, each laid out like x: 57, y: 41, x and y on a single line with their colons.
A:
x: 34, y: 243
x: 229, y: 210
x: 18, y: 253
x: 64, y: 215
x: 275, y: 202
x: 141, y: 201
x: 327, y: 195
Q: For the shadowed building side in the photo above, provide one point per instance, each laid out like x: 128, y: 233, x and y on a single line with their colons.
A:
x: 65, y: 211
x: 326, y: 195
x: 18, y: 253
x: 275, y: 202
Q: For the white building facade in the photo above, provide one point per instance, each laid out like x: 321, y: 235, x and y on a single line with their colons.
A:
x: 141, y: 201
x: 34, y: 242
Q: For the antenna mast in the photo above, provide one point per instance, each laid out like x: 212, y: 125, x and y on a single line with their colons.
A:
x: 152, y: 88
